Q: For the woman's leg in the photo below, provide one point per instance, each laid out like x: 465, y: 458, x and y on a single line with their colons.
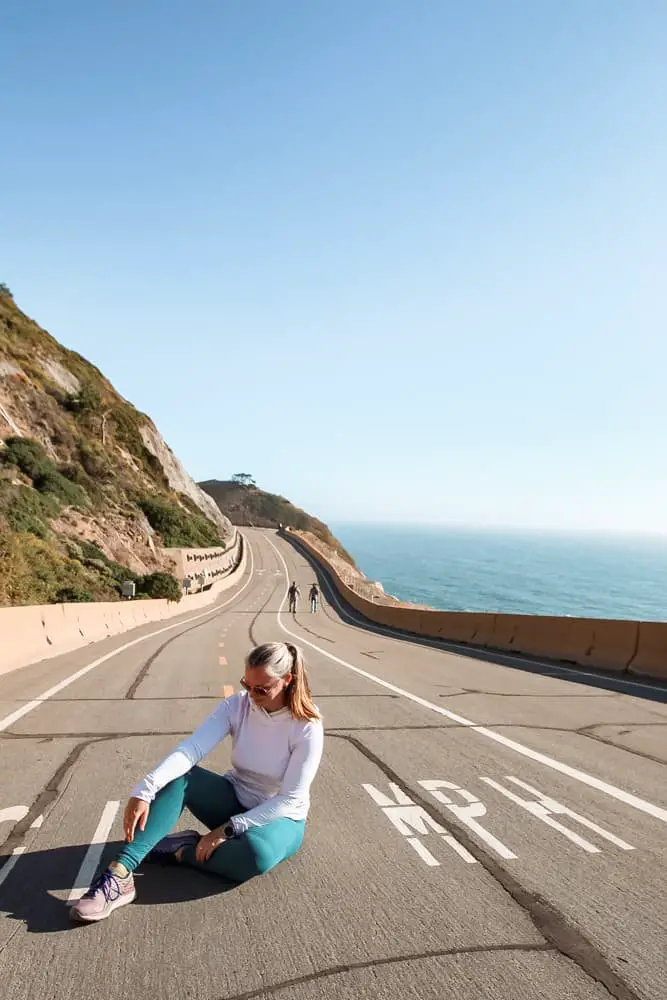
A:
x: 253, y: 853
x: 209, y: 797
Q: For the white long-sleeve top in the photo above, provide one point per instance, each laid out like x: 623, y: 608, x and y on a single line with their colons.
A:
x: 274, y: 760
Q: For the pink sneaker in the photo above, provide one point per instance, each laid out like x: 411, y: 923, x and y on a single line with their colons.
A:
x: 105, y: 895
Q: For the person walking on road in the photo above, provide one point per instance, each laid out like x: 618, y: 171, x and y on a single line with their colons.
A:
x: 314, y: 596
x: 255, y: 813
x: 294, y: 594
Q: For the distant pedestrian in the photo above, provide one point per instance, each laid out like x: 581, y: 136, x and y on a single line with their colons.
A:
x: 314, y: 596
x: 294, y: 594
x: 187, y: 583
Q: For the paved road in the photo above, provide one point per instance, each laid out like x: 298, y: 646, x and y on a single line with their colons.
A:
x: 477, y: 830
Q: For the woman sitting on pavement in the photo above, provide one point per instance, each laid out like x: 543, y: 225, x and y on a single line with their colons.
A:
x: 256, y: 812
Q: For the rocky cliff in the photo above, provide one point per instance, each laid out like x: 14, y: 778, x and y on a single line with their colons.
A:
x: 249, y: 505
x: 89, y: 491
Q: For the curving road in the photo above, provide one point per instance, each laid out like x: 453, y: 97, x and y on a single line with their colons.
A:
x: 478, y: 829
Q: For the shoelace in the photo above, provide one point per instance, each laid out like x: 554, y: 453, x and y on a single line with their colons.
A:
x: 109, y: 885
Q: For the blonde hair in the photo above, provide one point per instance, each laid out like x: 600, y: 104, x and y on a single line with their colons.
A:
x: 280, y: 659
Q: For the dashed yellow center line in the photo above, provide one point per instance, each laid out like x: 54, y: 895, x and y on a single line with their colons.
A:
x: 222, y: 661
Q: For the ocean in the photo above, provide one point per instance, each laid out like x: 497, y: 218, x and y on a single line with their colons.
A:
x: 515, y: 571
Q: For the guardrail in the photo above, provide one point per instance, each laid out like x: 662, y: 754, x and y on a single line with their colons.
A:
x: 202, y: 566
x: 617, y: 645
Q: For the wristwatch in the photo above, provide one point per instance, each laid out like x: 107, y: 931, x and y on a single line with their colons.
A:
x: 228, y: 830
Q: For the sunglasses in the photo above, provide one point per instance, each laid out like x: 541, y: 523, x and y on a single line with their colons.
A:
x: 255, y: 688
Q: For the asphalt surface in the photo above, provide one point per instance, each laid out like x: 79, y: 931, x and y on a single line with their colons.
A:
x: 478, y: 829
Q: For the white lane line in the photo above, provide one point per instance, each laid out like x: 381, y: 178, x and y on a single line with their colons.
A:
x: 94, y: 853
x: 9, y: 720
x: 8, y: 865
x: 658, y: 812
x: 503, y: 658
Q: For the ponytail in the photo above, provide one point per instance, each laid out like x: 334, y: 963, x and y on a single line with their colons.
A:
x: 299, y: 699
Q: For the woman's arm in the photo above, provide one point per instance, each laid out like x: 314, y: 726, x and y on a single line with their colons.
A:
x: 189, y: 752
x: 301, y: 769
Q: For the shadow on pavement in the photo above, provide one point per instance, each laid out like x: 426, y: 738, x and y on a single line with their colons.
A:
x: 28, y: 892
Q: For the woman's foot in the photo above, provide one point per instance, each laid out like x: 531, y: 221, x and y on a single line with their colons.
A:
x: 167, y: 851
x: 110, y: 890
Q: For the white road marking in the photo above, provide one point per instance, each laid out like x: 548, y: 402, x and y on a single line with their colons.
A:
x: 9, y: 720
x: 423, y: 852
x: 544, y: 809
x: 94, y: 853
x: 460, y: 849
x: 18, y: 851
x: 400, y: 798
x: 658, y: 812
x: 410, y: 818
x: 15, y: 813
x: 468, y: 813
x: 8, y: 865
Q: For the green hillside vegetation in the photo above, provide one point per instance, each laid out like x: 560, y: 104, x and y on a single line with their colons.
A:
x: 245, y: 504
x: 85, y: 456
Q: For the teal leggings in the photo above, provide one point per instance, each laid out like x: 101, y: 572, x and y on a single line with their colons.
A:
x: 212, y: 799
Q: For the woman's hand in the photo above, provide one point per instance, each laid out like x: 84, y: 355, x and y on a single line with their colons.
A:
x: 136, y: 812
x: 208, y: 843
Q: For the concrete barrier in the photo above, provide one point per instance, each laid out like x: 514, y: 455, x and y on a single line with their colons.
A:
x: 207, y: 565
x: 38, y: 632
x: 651, y: 656
x: 618, y: 646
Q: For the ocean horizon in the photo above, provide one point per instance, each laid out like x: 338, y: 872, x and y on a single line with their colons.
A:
x: 515, y: 570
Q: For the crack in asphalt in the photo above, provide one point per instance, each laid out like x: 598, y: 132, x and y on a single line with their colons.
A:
x: 547, y: 919
x: 49, y: 794
x: 338, y: 730
x: 251, y: 628
x: 129, y: 696
x: 324, y: 638
x: 373, y: 963
x: 100, y: 736
x: 619, y: 746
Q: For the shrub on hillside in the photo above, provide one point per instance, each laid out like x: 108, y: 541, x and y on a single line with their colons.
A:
x: 27, y: 455
x: 94, y: 460
x: 177, y: 527
x: 14, y: 580
x: 30, y: 511
x: 90, y: 555
x: 53, y: 482
x: 72, y: 595
x: 157, y: 585
x: 127, y: 423
x: 35, y: 571
x: 86, y: 400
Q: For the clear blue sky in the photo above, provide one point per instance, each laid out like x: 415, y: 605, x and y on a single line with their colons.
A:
x: 402, y: 261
